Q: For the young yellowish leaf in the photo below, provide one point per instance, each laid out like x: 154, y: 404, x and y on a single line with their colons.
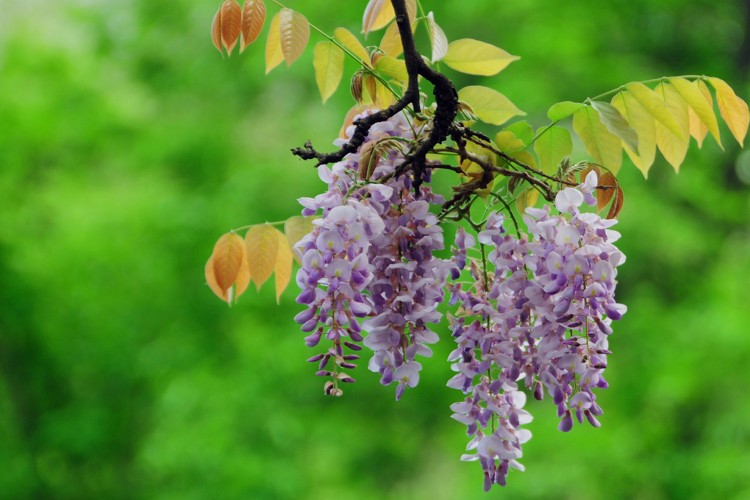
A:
x: 294, y: 34
x: 673, y: 147
x: 488, y: 104
x: 231, y: 21
x: 644, y: 124
x: 227, y: 257
x: 216, y: 30
x: 561, y: 110
x: 603, y: 146
x: 390, y: 44
x: 283, y: 267
x: 328, y: 62
x: 253, y: 17
x: 384, y: 96
x: 392, y: 68
x: 527, y: 199
x: 274, y: 54
x: 615, y: 123
x: 699, y: 105
x: 508, y: 142
x: 296, y: 228
x: 477, y: 58
x: 411, y: 11
x: 733, y: 109
x: 552, y: 145
x: 262, y: 246
x: 348, y: 40
x: 438, y: 40
x: 378, y: 14
x: 656, y: 107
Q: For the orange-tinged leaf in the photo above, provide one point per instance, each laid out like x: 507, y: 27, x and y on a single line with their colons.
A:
x: 262, y: 246
x: 283, y: 266
x: 274, y: 54
x: 295, y: 33
x: 604, y: 196
x: 231, y: 21
x: 227, y: 257
x: 378, y: 14
x: 211, y: 280
x: 700, y: 106
x: 353, y: 45
x: 253, y: 17
x: 477, y: 58
x: 644, y: 125
x: 357, y: 109
x: 732, y: 108
x: 242, y: 281
x: 614, y: 210
x: 216, y: 30
x: 438, y: 40
x: 328, y: 62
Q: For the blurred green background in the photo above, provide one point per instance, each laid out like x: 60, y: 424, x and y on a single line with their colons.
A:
x: 128, y: 145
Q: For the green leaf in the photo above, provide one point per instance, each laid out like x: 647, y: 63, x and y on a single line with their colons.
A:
x: 645, y: 126
x: 699, y: 104
x: 604, y: 147
x: 328, y: 62
x: 523, y: 130
x: 562, y: 110
x: 262, y: 246
x: 488, y: 104
x: 673, y: 147
x: 656, y: 107
x: 477, y: 58
x: 733, y: 109
x: 552, y: 145
x: 615, y: 123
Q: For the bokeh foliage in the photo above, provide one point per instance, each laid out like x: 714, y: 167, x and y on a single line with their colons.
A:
x: 127, y: 146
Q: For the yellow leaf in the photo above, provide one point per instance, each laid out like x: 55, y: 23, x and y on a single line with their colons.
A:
x: 274, y: 54
x: 295, y: 33
x: 477, y: 58
x: 701, y: 106
x: 328, y: 62
x: 296, y: 228
x: 231, y: 20
x: 438, y: 40
x: 673, y: 147
x: 489, y: 105
x: 392, y: 68
x: 526, y: 199
x: 211, y: 280
x: 283, y: 267
x: 604, y: 147
x: 390, y: 44
x: 508, y: 142
x: 253, y: 17
x: 644, y: 125
x: 656, y: 107
x: 411, y: 11
x: 216, y: 30
x: 378, y: 14
x: 350, y: 41
x: 384, y: 96
x: 262, y: 246
x: 227, y: 257
x: 733, y: 109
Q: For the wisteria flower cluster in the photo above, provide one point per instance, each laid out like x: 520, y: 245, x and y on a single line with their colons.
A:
x: 371, y: 255
x: 530, y: 311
